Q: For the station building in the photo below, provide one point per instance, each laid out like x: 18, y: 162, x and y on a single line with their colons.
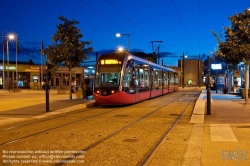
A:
x: 32, y: 76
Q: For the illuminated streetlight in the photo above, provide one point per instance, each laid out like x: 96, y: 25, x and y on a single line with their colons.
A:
x: 120, y: 49
x: 119, y: 35
x: 183, y: 69
x: 11, y: 37
x: 3, y: 62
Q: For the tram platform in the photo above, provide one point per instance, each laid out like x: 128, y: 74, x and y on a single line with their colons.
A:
x: 221, y: 138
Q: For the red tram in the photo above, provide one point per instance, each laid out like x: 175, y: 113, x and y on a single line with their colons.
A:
x: 126, y: 79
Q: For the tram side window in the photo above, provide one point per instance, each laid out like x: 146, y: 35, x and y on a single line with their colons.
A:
x: 171, y: 79
x: 156, y: 79
x: 165, y: 79
x: 146, y: 78
x: 130, y: 77
x: 143, y: 78
x: 127, y: 76
x: 137, y: 77
x: 134, y: 79
x: 142, y: 84
x: 160, y: 79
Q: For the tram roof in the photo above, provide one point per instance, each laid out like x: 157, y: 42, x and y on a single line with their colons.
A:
x: 150, y: 63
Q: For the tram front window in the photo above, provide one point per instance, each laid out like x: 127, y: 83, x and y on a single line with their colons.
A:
x: 108, y: 79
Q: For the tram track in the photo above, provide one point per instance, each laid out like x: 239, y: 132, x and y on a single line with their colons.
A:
x: 53, y: 128
x: 145, y: 160
x: 175, y: 97
x: 45, y: 119
x: 51, y: 118
x: 50, y: 129
x: 9, y: 129
x: 148, y: 155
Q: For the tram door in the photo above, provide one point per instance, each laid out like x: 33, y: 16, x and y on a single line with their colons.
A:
x: 151, y: 80
x: 136, y: 84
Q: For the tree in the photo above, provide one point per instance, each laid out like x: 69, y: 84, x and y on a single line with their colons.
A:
x: 68, y: 49
x: 236, y: 46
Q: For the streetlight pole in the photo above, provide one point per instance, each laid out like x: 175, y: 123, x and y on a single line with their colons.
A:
x: 183, y: 84
x: 16, y: 65
x: 183, y: 69
x: 8, y: 73
x: 11, y: 37
x: 119, y: 35
x: 41, y: 81
x: 199, y: 71
x: 181, y: 73
x: 3, y: 60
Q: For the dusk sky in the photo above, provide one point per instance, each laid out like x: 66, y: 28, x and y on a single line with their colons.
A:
x: 181, y: 25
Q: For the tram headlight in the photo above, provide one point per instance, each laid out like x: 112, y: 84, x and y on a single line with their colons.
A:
x: 112, y: 91
x: 98, y: 92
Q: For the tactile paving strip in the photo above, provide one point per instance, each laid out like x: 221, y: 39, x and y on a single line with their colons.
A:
x: 222, y: 132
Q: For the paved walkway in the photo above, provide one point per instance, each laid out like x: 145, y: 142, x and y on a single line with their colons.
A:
x: 222, y: 138
x: 19, y: 106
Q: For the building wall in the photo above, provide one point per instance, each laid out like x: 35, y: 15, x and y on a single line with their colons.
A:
x: 193, y: 72
x: 60, y: 78
x: 21, y: 75
x: 31, y: 76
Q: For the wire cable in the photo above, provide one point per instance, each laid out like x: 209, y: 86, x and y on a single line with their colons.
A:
x: 112, y: 20
x: 129, y: 19
x: 182, y: 25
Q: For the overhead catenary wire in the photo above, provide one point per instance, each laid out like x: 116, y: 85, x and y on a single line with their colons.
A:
x: 112, y: 20
x: 82, y: 1
x: 128, y: 18
x: 182, y: 26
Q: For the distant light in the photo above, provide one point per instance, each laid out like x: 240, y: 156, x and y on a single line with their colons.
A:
x: 90, y: 67
x: 216, y: 66
x: 118, y: 35
x: 120, y: 49
x: 11, y: 36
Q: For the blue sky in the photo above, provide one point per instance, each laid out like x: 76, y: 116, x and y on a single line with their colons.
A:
x: 181, y: 25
